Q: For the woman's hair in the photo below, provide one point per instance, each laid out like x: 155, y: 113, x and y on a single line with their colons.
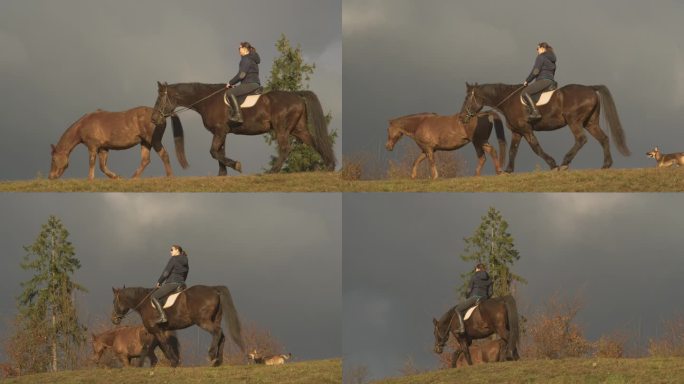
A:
x: 545, y: 45
x: 480, y: 266
x: 180, y: 249
x: 247, y: 45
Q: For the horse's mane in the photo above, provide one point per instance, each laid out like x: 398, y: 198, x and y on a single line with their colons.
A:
x: 419, y: 114
x: 497, y: 90
x: 134, y: 292
x: 446, y: 317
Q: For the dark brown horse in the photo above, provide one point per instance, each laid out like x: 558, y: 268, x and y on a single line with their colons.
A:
x: 577, y: 106
x: 128, y: 343
x: 498, y: 315
x: 199, y: 305
x: 285, y: 113
x: 101, y: 131
x: 433, y: 132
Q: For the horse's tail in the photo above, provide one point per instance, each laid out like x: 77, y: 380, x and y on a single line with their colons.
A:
x: 612, y: 118
x: 315, y: 118
x: 179, y: 141
x: 513, y: 327
x: 500, y: 135
x: 230, y: 316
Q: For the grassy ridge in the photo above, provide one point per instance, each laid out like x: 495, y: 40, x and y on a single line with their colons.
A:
x: 313, y: 372
x: 646, y: 370
x: 593, y: 180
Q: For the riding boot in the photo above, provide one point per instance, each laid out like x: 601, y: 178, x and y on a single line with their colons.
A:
x: 236, y: 113
x: 160, y: 310
x: 534, y: 114
x: 461, y: 324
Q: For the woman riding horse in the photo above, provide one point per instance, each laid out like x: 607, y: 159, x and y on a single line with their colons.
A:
x: 172, y: 277
x: 247, y: 76
x: 480, y: 288
x: 542, y: 73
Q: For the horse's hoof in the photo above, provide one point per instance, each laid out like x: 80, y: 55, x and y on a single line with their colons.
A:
x: 215, y: 362
x: 238, y: 166
x: 564, y: 168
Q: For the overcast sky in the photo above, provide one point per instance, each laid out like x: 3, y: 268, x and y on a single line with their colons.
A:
x: 62, y: 59
x: 280, y: 255
x: 403, y: 56
x: 620, y: 252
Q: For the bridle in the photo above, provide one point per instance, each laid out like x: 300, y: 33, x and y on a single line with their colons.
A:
x: 444, y: 338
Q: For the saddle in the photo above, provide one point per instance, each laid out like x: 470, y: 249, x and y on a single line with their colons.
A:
x: 470, y: 311
x: 543, y: 97
x: 169, y: 300
x: 245, y: 101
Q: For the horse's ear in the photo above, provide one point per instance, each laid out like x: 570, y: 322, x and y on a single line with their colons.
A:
x: 159, y: 85
x: 54, y: 149
x: 113, y: 289
x: 467, y: 85
x: 434, y: 321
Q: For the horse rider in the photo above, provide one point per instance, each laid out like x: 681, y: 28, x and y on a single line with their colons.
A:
x: 172, y: 277
x: 479, y: 288
x: 247, y: 76
x: 542, y: 73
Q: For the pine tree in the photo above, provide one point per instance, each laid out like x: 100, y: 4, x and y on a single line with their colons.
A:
x: 47, y: 304
x: 290, y: 73
x: 492, y: 246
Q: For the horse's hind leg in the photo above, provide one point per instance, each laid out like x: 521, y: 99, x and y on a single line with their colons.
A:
x: 92, y: 154
x: 481, y: 158
x: 595, y: 130
x: 419, y: 159
x: 433, y: 165
x: 580, y: 140
x: 492, y: 153
x: 284, y: 148
x: 144, y: 160
x: 104, y: 155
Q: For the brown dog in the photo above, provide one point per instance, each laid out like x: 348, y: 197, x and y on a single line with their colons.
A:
x: 487, y: 352
x: 667, y: 159
x: 268, y: 360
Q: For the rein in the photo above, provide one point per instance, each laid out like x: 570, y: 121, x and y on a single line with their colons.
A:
x: 120, y: 317
x: 470, y: 114
x: 446, y: 335
x: 166, y: 99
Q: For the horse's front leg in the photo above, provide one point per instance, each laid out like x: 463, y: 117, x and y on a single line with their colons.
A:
x: 167, y: 349
x: 218, y: 152
x: 513, y: 151
x: 92, y: 154
x: 414, y: 170
x: 144, y: 160
x: 534, y: 143
x: 481, y: 158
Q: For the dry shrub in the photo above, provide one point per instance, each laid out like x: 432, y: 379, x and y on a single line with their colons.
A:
x: 409, y: 367
x: 254, y: 337
x: 449, y: 164
x: 27, y: 348
x: 359, y: 374
x: 352, y: 168
x: 611, y: 346
x: 553, y: 333
x: 671, y: 343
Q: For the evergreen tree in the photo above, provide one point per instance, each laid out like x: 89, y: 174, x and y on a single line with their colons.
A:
x: 47, y: 303
x: 492, y: 246
x: 290, y: 73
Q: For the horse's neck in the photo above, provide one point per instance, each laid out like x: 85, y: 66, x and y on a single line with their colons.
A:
x: 133, y: 298
x: 496, y: 93
x: 70, y: 138
x: 107, y: 338
x: 190, y: 93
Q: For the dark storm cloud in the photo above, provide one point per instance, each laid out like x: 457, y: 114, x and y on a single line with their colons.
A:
x: 422, y: 53
x: 620, y: 252
x: 63, y: 59
x: 280, y: 255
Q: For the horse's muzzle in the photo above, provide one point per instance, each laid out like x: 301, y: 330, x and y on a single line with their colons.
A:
x: 389, y: 145
x: 438, y: 349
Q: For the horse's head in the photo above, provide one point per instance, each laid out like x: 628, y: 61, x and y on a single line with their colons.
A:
x: 394, y: 133
x: 120, y: 309
x: 473, y: 102
x: 60, y: 162
x: 441, y: 337
x: 167, y: 101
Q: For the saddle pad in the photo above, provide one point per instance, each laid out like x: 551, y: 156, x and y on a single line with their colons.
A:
x: 169, y: 300
x: 469, y: 312
x: 250, y: 100
x: 543, y: 99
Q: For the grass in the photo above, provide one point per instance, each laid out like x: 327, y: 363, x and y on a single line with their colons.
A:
x: 314, y: 372
x: 592, y: 180
x: 614, y: 371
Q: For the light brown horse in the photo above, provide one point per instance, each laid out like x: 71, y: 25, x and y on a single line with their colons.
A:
x: 127, y: 343
x: 433, y: 132
x: 101, y: 131
x: 486, y: 352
